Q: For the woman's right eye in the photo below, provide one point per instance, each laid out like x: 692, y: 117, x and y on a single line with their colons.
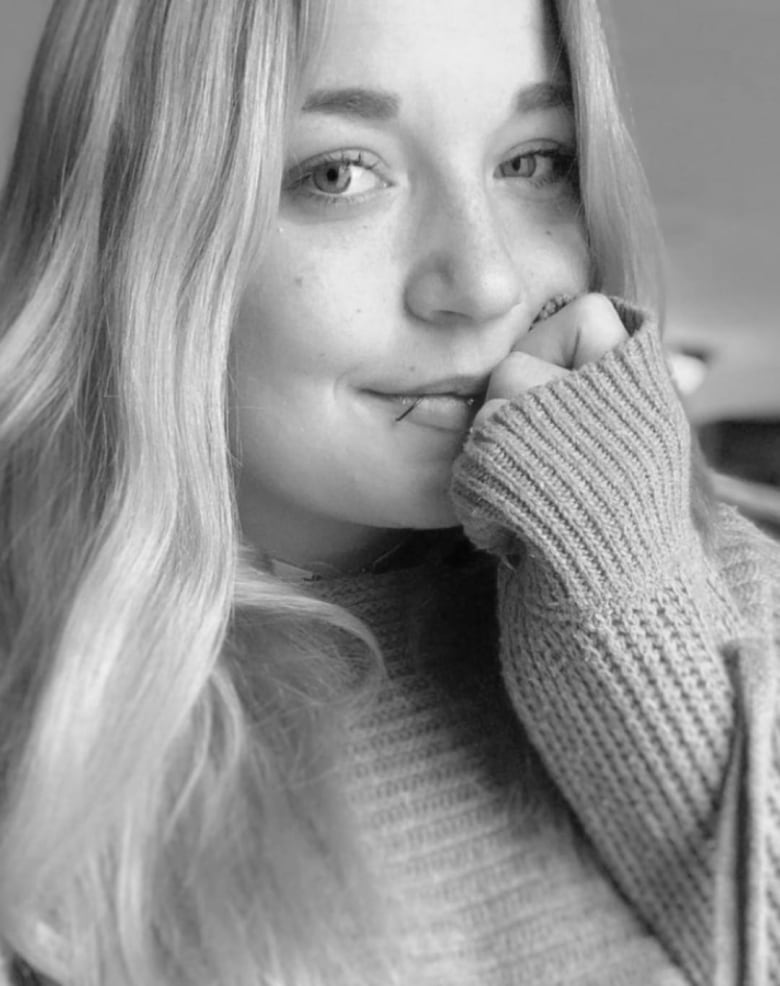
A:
x: 343, y: 178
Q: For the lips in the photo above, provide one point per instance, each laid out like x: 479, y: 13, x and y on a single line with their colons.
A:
x: 413, y: 403
x: 451, y: 402
x: 442, y: 410
x: 445, y: 404
x: 468, y: 387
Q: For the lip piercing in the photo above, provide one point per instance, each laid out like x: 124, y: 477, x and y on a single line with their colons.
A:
x: 409, y: 409
x: 548, y: 309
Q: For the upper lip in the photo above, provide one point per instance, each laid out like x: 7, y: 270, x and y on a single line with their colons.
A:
x: 466, y: 385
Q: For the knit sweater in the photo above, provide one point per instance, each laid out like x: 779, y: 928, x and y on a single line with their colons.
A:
x: 570, y: 774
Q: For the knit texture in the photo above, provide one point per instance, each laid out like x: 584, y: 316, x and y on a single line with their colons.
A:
x: 643, y: 669
x: 571, y: 772
x: 643, y: 844
x: 489, y: 877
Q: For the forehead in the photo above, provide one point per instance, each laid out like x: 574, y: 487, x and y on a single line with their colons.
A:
x: 468, y: 49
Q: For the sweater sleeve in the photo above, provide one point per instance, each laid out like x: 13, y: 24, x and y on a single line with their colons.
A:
x: 642, y: 664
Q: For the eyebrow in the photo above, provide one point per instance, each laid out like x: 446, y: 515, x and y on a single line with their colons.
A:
x: 542, y: 96
x: 365, y: 104
x: 382, y: 106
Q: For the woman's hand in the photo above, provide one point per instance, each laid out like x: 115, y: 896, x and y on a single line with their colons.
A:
x: 583, y: 465
x: 580, y: 332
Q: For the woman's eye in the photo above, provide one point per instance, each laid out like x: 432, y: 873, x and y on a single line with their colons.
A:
x: 333, y: 179
x: 540, y: 167
x: 342, y: 177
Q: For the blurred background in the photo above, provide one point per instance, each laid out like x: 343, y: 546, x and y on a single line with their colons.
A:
x: 702, y: 80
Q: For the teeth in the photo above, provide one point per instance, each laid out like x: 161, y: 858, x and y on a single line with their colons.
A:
x: 469, y: 399
x: 409, y: 398
x: 552, y: 307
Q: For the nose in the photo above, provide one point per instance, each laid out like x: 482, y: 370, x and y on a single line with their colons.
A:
x: 463, y: 268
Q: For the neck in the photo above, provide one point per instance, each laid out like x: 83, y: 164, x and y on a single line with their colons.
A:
x: 338, y: 563
x: 314, y: 544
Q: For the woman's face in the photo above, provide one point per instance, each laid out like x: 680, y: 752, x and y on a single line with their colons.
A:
x: 429, y: 209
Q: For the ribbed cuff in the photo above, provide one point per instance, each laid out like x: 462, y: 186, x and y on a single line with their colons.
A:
x: 589, y: 474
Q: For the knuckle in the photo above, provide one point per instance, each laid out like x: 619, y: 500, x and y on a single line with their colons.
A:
x: 594, y: 308
x: 598, y: 323
x: 500, y: 379
x: 507, y: 378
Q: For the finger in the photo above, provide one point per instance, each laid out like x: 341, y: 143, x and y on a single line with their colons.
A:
x: 487, y: 410
x: 581, y: 332
x: 519, y: 372
x: 516, y: 375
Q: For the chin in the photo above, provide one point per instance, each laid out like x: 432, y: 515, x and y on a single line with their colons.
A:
x: 424, y: 506
x: 430, y: 513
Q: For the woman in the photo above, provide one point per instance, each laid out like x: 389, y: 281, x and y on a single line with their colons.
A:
x: 293, y: 299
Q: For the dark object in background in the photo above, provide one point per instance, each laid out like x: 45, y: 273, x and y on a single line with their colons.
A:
x: 745, y: 454
x: 735, y: 413
x: 748, y: 449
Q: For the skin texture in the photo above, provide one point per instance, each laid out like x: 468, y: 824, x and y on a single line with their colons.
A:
x: 426, y: 255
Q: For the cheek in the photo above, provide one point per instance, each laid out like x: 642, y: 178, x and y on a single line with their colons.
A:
x: 549, y: 244
x: 305, y: 306
x: 564, y: 252
x: 276, y: 330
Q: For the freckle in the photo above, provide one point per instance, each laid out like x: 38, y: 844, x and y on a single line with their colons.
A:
x: 299, y: 281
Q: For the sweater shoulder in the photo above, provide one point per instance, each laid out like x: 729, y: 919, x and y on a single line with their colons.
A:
x: 749, y: 563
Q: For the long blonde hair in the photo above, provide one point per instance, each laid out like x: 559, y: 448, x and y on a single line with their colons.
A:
x: 154, y: 828
x: 167, y: 804
x: 622, y: 228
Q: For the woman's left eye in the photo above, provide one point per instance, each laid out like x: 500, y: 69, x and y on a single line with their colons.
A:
x: 540, y: 167
x: 341, y: 178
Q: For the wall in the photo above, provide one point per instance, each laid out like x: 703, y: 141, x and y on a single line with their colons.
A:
x: 20, y: 24
x: 704, y: 79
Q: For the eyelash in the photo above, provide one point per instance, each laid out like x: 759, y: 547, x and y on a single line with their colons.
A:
x: 563, y: 161
x: 297, y: 178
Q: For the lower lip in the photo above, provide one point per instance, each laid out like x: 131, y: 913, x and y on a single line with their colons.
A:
x: 447, y: 412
